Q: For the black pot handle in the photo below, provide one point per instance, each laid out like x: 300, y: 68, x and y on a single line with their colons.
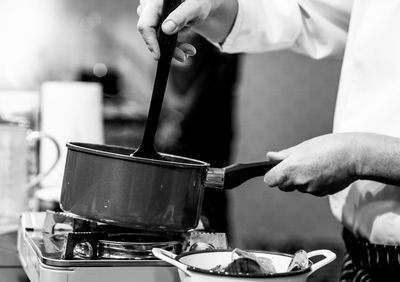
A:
x: 236, y: 174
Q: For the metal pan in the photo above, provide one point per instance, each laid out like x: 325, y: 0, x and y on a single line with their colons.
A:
x: 105, y: 183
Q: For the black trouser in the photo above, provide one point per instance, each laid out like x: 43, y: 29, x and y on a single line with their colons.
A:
x: 366, y: 262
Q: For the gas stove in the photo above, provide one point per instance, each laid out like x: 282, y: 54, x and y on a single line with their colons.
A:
x: 55, y: 247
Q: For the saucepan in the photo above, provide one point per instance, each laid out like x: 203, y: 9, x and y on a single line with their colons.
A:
x: 107, y: 184
x: 197, y: 266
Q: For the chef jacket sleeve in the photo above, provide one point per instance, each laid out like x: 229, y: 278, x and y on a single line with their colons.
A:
x: 317, y: 28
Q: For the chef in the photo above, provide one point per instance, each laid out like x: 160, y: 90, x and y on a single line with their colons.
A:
x: 367, y: 117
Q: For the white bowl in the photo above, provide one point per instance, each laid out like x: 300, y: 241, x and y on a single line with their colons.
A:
x: 196, y: 266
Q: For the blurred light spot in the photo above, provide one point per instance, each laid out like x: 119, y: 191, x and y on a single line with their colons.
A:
x: 100, y: 70
x: 90, y: 21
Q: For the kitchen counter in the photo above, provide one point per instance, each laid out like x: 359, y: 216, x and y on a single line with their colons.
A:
x: 10, y: 267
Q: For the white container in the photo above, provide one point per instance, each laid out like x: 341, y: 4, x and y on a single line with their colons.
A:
x: 71, y: 111
x: 195, y: 266
x: 15, y: 183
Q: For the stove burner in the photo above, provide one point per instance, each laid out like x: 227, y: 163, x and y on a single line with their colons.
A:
x: 125, y: 246
x: 78, y: 238
x: 134, y: 246
x: 74, y: 238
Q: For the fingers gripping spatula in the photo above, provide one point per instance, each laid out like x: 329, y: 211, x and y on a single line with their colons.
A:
x: 167, y: 45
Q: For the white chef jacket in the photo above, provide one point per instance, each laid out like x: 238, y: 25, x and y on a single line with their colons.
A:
x: 367, y: 33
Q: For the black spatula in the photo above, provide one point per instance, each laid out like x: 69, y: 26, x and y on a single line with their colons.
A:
x: 167, y: 45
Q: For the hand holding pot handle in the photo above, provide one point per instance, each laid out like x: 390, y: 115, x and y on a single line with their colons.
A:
x: 329, y: 257
x: 170, y: 258
x: 236, y: 174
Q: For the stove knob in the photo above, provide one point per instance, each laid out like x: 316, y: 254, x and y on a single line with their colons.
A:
x: 83, y: 250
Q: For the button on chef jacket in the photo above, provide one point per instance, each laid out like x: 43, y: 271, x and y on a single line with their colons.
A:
x: 366, y: 33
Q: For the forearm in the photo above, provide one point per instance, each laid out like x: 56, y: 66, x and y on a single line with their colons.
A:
x: 379, y: 159
x: 311, y: 27
x: 326, y: 164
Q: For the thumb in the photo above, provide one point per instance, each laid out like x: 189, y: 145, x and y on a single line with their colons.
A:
x: 281, y: 155
x: 277, y: 156
x: 185, y: 13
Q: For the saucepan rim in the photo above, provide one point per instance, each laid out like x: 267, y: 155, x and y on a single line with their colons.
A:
x: 112, y: 151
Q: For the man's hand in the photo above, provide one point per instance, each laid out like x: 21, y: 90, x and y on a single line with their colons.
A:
x: 319, y: 166
x: 210, y: 18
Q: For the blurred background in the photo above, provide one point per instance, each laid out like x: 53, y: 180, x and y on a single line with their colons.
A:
x: 228, y: 108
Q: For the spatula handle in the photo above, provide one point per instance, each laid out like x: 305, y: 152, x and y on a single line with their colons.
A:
x: 167, y: 42
x: 167, y: 45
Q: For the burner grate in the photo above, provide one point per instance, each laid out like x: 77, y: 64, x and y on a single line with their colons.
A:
x: 79, y: 238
